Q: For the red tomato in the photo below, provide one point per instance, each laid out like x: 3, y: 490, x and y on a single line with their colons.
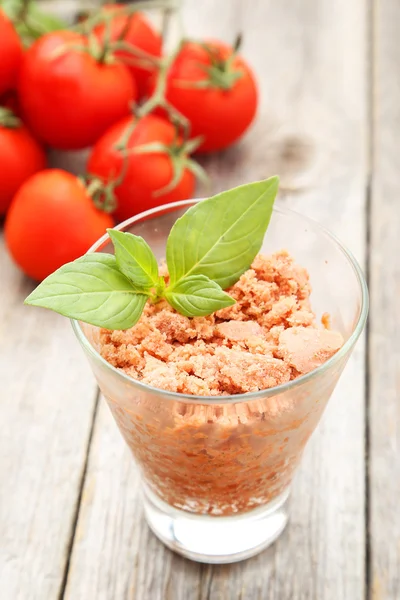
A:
x: 218, y: 104
x: 70, y: 99
x: 10, y: 54
x: 20, y: 157
x: 140, y: 34
x: 10, y: 100
x: 145, y: 174
x: 51, y: 221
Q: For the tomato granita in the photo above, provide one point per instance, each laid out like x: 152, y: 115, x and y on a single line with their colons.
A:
x: 223, y: 459
x: 215, y: 365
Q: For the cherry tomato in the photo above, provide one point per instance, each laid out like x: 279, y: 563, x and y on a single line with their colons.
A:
x: 20, y: 157
x: 218, y: 97
x: 146, y: 174
x: 10, y: 54
x: 52, y: 220
x: 138, y: 33
x: 68, y: 96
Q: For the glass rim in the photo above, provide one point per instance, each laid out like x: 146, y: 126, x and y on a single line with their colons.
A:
x: 247, y: 396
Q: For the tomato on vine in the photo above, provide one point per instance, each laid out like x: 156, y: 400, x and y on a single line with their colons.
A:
x: 138, y: 38
x: 154, y: 165
x: 10, y: 54
x: 72, y: 89
x: 51, y: 221
x: 214, y: 89
x: 20, y: 156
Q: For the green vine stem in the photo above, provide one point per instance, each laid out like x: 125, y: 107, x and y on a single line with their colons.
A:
x: 29, y: 20
x: 104, y: 52
x: 139, y: 56
x: 23, y: 11
x: 158, y: 98
x: 106, y: 45
x: 103, y: 194
x: 8, y: 119
x: 181, y: 147
x: 98, y: 18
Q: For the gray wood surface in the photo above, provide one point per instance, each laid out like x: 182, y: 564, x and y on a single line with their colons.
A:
x: 384, y: 354
x: 71, y: 520
x: 310, y: 59
x: 47, y: 398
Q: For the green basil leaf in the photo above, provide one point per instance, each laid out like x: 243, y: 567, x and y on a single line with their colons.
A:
x: 220, y: 237
x: 91, y: 289
x: 135, y: 259
x: 197, y: 296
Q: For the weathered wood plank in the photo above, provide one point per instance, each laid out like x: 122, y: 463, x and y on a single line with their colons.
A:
x: 310, y: 62
x: 46, y: 409
x: 384, y: 355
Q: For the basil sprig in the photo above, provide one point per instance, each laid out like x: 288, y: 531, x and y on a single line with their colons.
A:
x: 208, y: 249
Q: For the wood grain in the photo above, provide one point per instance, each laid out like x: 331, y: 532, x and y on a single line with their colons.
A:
x: 47, y: 398
x: 384, y: 363
x: 310, y: 60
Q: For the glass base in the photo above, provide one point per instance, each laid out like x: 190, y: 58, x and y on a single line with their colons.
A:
x: 216, y: 540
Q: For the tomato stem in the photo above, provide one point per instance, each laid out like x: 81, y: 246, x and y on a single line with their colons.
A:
x: 8, y: 118
x: 158, y: 98
x: 221, y: 72
x: 94, y: 186
x: 23, y: 11
x: 63, y: 48
x: 105, y: 47
x: 90, y: 23
x: 165, y: 25
x: 101, y: 193
x: 104, y: 51
x: 181, y: 146
x: 142, y: 57
x: 126, y: 28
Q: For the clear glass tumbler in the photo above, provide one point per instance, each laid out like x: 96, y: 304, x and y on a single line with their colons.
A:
x: 216, y: 472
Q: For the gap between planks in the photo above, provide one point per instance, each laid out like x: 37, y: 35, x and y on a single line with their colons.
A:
x: 371, y: 136
x: 81, y: 486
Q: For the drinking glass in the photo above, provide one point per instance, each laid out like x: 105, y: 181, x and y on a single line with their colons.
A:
x: 216, y: 471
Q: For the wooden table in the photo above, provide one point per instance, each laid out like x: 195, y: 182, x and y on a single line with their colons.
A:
x: 71, y: 521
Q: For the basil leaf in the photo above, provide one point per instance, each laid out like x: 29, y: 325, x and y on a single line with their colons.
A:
x: 220, y: 237
x: 93, y: 290
x: 197, y: 296
x: 135, y: 259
